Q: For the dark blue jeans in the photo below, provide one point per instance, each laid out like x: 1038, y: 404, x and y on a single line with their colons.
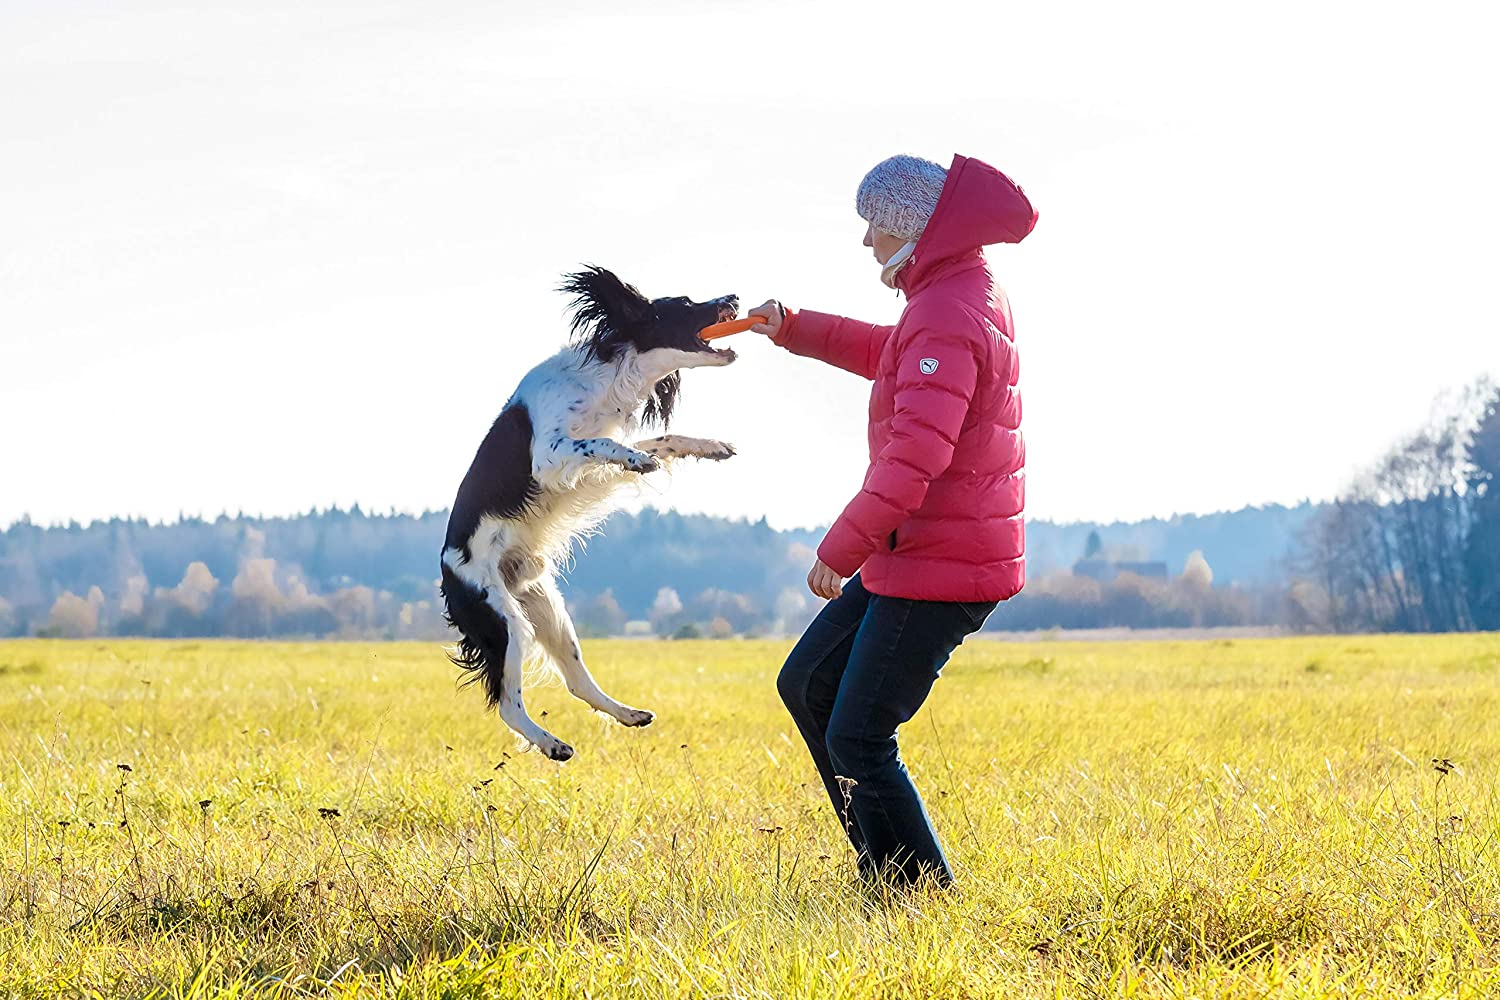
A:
x: 863, y: 667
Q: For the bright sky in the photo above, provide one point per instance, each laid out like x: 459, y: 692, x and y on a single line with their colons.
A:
x: 265, y: 256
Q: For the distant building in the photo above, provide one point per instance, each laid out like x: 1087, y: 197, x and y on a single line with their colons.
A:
x: 1106, y: 570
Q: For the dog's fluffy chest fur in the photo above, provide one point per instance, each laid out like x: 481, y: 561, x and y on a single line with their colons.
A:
x: 598, y: 402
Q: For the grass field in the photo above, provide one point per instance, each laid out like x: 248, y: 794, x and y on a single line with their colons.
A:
x: 1244, y: 818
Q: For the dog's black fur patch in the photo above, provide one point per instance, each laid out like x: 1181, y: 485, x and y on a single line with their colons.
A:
x: 663, y: 401
x: 482, y: 634
x: 499, y: 480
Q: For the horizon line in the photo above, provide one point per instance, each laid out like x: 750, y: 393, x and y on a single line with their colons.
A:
x: 392, y: 513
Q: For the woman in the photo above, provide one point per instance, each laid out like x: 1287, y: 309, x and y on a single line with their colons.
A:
x: 934, y: 540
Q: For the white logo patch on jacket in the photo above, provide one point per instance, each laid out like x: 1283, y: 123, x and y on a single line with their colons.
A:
x: 928, y: 365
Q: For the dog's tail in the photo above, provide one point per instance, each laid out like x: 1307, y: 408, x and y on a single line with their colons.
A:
x: 483, y: 633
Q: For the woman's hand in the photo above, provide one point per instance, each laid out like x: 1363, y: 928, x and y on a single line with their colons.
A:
x: 824, y: 582
x: 774, y: 313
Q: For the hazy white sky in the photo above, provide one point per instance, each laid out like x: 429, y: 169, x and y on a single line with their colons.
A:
x: 264, y: 256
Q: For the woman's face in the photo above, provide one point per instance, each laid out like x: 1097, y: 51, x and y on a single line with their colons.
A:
x: 884, y: 244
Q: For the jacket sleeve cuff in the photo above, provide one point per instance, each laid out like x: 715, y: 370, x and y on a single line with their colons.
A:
x: 842, y: 550
x: 783, y: 335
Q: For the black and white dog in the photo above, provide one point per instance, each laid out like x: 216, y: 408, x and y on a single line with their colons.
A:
x: 545, y: 474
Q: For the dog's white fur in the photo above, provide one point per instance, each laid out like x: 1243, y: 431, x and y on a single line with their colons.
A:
x: 581, y: 409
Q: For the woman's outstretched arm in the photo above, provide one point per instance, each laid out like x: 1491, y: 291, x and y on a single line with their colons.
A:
x: 839, y: 341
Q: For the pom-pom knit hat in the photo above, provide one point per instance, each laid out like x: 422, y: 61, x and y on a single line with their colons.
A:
x: 899, y: 195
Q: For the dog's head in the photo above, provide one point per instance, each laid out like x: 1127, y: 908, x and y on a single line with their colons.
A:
x: 611, y: 317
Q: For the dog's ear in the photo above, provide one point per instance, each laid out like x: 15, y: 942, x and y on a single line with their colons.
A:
x: 605, y: 309
x: 662, y: 400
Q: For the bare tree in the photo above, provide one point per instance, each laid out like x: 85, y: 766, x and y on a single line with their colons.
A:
x: 1482, y: 551
x: 1390, y: 553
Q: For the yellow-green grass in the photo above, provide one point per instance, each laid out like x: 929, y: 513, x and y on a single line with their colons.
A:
x: 1243, y: 818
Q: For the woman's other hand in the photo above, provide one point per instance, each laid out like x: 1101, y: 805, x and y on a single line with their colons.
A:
x: 824, y: 582
x: 774, y: 314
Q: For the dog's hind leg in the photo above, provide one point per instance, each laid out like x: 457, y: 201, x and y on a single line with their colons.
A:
x: 544, y: 605
x: 512, y: 705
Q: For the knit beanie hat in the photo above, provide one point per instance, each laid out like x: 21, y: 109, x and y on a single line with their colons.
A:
x: 898, y: 196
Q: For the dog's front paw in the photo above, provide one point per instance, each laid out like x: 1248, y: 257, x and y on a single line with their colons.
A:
x: 642, y: 463
x: 717, y: 451
x: 557, y: 750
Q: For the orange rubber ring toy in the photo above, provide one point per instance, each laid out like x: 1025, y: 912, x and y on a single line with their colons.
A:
x: 731, y: 327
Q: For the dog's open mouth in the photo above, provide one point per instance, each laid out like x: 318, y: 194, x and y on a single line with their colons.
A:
x: 728, y: 309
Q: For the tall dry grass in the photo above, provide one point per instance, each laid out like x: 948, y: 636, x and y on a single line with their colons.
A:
x: 1301, y: 818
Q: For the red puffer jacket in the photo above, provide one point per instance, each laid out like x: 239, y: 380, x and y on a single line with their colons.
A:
x: 940, y: 514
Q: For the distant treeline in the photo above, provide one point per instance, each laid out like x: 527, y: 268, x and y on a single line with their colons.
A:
x: 352, y: 573
x: 1412, y: 545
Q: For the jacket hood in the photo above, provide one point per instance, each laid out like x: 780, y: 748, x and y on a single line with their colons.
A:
x: 979, y: 206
